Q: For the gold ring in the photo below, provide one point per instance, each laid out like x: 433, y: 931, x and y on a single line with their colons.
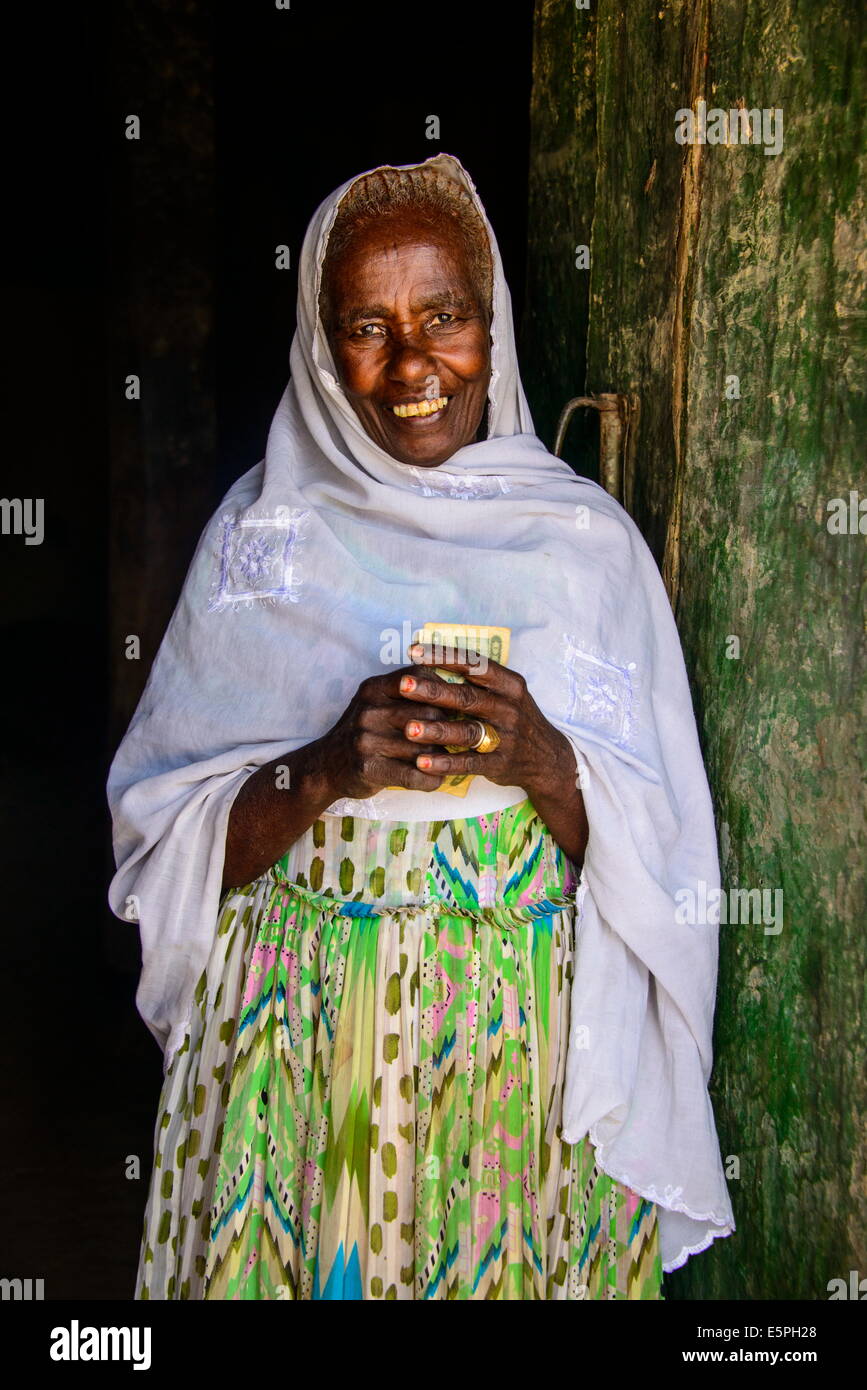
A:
x: 489, y: 740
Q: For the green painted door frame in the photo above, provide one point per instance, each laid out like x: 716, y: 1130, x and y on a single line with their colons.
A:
x: 724, y: 284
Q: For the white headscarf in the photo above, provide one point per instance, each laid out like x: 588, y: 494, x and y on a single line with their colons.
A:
x: 313, y: 558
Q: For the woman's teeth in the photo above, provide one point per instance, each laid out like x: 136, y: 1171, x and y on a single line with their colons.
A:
x: 421, y: 407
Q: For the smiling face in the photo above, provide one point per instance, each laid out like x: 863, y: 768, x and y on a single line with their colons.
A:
x: 410, y: 337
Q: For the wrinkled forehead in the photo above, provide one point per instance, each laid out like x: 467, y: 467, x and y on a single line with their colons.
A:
x: 392, y: 237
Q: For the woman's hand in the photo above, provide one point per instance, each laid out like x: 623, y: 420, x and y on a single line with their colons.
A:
x: 371, y: 747
x: 531, y: 754
x: 367, y: 749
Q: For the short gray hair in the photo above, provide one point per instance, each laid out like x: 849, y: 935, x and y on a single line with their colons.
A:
x: 430, y: 194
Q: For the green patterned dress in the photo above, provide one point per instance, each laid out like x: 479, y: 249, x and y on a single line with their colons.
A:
x: 369, y: 1105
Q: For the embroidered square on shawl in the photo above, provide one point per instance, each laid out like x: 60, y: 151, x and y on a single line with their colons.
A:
x: 258, y: 559
x: 602, y: 695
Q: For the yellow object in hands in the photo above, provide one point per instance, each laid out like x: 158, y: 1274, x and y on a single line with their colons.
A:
x: 453, y: 641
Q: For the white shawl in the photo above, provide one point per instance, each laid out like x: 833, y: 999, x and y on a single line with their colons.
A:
x: 315, y: 559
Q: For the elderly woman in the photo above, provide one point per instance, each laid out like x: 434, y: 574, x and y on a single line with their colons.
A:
x: 435, y: 1024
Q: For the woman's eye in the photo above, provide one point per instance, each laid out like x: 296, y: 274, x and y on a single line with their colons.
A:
x: 444, y: 314
x: 362, y: 331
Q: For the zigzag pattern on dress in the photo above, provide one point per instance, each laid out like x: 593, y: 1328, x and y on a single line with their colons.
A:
x: 369, y: 1106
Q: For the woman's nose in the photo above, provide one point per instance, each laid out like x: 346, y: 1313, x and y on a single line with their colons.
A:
x: 410, y: 361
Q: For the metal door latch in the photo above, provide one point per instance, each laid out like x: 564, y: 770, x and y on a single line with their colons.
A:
x: 618, y: 416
